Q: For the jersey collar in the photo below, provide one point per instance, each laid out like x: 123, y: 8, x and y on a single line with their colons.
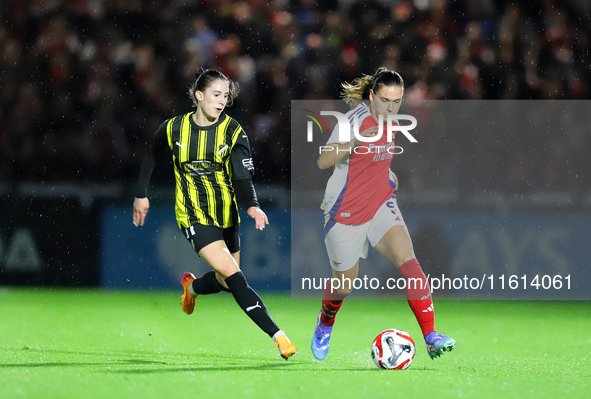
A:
x: 222, y: 118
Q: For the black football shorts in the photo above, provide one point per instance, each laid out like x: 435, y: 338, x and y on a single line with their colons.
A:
x: 200, y: 236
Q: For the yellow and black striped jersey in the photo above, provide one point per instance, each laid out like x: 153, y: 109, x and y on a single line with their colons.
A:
x: 206, y: 159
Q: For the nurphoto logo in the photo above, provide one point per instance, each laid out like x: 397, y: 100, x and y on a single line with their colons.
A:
x: 344, y: 126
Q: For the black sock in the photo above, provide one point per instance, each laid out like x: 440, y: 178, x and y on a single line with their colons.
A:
x: 208, y: 284
x: 251, y: 303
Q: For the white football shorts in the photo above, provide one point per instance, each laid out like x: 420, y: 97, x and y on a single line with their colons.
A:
x: 345, y: 243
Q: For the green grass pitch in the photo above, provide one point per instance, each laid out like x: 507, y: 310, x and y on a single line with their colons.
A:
x: 103, y: 344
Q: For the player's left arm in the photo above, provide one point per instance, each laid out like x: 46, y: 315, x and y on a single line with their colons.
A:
x: 242, y: 173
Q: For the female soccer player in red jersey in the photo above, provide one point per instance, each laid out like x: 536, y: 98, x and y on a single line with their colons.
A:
x: 212, y: 167
x: 360, y: 208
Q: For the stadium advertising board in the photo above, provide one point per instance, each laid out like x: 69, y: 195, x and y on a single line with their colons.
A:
x: 47, y: 242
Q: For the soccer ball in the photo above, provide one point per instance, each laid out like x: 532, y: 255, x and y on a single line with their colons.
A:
x: 393, y: 350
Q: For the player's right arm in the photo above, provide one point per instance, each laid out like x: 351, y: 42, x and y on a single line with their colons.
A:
x: 141, y: 204
x: 332, y: 153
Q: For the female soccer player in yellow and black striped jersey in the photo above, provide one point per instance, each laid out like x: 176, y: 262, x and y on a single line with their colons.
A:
x: 212, y: 166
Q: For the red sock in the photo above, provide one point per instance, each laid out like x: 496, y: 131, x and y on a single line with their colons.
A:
x: 418, y: 294
x: 331, y: 303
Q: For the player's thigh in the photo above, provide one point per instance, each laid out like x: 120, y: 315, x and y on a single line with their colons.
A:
x: 219, y: 258
x: 220, y: 248
x: 352, y: 273
x: 231, y: 237
x: 389, y: 235
x: 396, y: 245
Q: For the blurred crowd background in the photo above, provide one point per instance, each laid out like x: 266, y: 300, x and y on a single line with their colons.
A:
x: 85, y: 83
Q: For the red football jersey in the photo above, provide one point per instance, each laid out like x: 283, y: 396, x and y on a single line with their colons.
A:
x: 360, y: 182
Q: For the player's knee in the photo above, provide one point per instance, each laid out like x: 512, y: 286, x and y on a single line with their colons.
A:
x: 236, y: 282
x: 403, y: 258
x: 221, y: 280
x: 340, y: 287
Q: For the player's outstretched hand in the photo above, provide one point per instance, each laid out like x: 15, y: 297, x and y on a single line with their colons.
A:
x: 260, y: 219
x: 140, y: 210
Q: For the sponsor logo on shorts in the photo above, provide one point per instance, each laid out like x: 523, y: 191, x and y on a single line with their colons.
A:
x: 345, y: 215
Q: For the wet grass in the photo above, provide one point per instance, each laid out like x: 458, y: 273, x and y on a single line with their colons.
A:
x: 104, y: 344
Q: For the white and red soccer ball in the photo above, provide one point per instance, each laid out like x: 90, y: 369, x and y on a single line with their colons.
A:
x: 393, y: 350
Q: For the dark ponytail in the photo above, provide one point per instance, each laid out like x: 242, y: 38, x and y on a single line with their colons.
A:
x: 204, y: 78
